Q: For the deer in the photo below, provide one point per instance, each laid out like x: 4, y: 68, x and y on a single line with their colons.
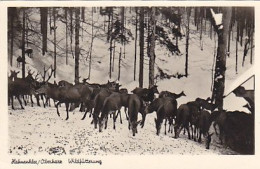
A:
x: 203, y: 124
x: 237, y: 130
x: 146, y: 94
x: 29, y: 52
x: 112, y: 103
x: 248, y: 95
x: 20, y: 60
x: 135, y: 106
x: 19, y: 87
x: 183, y: 119
x: 171, y: 111
x: 170, y: 94
x: 166, y: 111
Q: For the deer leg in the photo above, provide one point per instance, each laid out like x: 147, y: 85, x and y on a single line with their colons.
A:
x: 20, y: 102
x: 106, y: 118
x: 215, y: 128
x: 90, y: 113
x: 67, y: 110
x: 199, y: 136
x: 188, y: 130
x: 165, y: 123
x: 12, y: 100
x: 42, y: 101
x: 126, y: 114
x: 114, y: 120
x: 85, y: 114
x: 24, y: 100
x: 31, y: 100
x: 119, y: 113
x: 38, y: 100
x: 57, y: 107
x: 143, y: 119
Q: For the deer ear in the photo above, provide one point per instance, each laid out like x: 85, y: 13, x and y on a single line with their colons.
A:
x: 211, y: 134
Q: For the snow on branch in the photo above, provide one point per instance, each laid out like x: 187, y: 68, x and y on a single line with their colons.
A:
x: 217, y: 19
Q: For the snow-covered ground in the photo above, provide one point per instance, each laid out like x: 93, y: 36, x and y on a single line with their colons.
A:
x: 39, y: 131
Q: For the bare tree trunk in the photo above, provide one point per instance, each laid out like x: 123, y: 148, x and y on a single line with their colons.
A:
x: 11, y: 12
x: 252, y: 45
x: 54, y: 25
x: 136, y: 27
x: 23, y: 45
x: 91, y: 45
x: 141, y: 43
x: 66, y: 16
x: 219, y: 77
x: 111, y: 46
x: 187, y: 41
x: 237, y: 40
x: 44, y: 28
x: 77, y: 50
x: 113, y: 57
x: 152, y: 47
x: 229, y: 37
x: 71, y: 31
x: 119, y: 63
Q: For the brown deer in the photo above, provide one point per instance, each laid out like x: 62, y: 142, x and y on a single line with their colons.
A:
x: 170, y: 94
x: 146, y: 94
x: 135, y: 106
x: 20, y: 60
x: 20, y: 87
x: 29, y: 52
x: 248, y: 95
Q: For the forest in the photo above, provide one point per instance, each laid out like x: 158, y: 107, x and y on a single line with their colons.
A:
x: 100, y: 59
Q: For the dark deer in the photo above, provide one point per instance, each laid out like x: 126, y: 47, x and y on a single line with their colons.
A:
x: 170, y: 94
x: 166, y: 111
x: 135, y: 106
x: 203, y: 125
x: 146, y: 94
x: 20, y: 60
x: 248, y: 95
x: 19, y: 87
x: 98, y: 104
x: 29, y: 52
x: 157, y: 103
x: 77, y: 93
x: 237, y: 130
x: 183, y: 119
x: 112, y: 103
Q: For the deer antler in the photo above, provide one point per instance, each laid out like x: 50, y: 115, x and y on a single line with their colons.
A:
x: 50, y: 74
x: 36, y: 76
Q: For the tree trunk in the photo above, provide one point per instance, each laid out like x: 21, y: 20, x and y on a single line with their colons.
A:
x: 66, y: 17
x: 111, y: 46
x: 187, y: 41
x: 23, y: 45
x: 11, y: 13
x: 237, y: 40
x: 71, y: 31
x: 136, y: 27
x: 151, y: 48
x: 77, y: 50
x: 54, y: 25
x: 44, y: 28
x: 252, y: 45
x: 91, y: 45
x: 141, y: 43
x: 219, y: 77
x: 119, y: 63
